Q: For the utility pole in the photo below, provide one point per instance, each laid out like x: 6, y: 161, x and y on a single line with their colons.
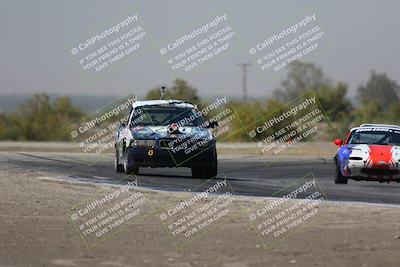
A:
x: 244, y: 79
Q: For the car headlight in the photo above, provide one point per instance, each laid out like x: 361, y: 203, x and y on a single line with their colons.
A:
x: 143, y: 143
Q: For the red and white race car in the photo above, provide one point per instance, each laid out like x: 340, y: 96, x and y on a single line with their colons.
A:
x: 370, y: 152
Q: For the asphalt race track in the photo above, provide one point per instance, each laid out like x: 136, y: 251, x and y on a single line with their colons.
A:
x: 247, y: 176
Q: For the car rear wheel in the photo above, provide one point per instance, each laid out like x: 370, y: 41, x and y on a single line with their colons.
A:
x: 197, y: 172
x: 339, y: 178
x: 129, y: 166
x: 119, y: 167
x: 207, y: 171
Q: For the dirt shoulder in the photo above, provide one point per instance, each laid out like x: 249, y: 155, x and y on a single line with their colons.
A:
x: 36, y: 229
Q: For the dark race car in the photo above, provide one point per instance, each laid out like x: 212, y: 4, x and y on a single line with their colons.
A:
x: 166, y: 133
x: 370, y: 152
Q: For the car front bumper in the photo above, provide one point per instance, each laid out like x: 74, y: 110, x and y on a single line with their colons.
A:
x: 358, y: 171
x: 161, y: 157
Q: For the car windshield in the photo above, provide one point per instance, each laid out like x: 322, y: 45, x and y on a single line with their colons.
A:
x: 166, y: 115
x: 378, y: 137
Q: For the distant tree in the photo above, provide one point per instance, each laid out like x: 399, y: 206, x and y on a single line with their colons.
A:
x: 42, y: 120
x: 180, y: 90
x: 247, y: 115
x: 8, y: 129
x: 300, y: 78
x: 368, y: 112
x: 334, y: 101
x: 31, y: 118
x: 394, y: 112
x: 307, y: 76
x: 65, y: 114
x: 380, y: 90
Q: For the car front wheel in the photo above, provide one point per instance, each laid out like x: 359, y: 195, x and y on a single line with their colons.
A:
x: 339, y: 178
x: 129, y: 166
x: 119, y: 167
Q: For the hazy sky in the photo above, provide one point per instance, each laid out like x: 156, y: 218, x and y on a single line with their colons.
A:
x: 37, y: 35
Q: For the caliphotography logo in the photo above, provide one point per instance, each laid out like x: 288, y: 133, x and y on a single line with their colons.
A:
x: 113, y: 43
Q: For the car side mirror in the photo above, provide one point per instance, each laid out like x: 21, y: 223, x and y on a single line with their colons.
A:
x: 338, y: 142
x: 212, y: 124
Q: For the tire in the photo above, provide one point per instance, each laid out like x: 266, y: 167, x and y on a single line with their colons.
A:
x: 119, y: 167
x: 129, y: 166
x: 197, y: 172
x: 339, y: 178
x: 207, y: 171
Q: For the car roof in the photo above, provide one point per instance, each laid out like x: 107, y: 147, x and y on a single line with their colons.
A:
x: 375, y: 125
x: 172, y: 102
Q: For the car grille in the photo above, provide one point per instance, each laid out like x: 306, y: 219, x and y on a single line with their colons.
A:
x: 183, y: 143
